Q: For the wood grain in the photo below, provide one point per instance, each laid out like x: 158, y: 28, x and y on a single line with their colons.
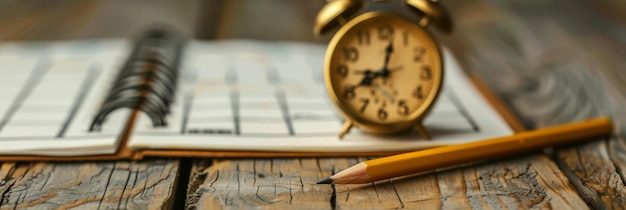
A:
x: 554, y: 68
x: 528, y: 182
x: 105, y: 185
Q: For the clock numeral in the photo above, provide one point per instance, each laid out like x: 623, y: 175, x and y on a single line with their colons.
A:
x: 419, y: 53
x: 349, y: 93
x: 342, y: 70
x: 403, y: 108
x: 350, y: 54
x: 363, y: 37
x: 418, y: 93
x: 426, y: 73
x: 365, y: 102
x: 385, y: 32
x: 382, y: 114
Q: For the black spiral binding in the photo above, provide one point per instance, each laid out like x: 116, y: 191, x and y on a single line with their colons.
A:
x: 147, y: 81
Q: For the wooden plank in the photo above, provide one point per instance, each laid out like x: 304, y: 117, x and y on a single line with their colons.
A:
x: 532, y: 181
x: 259, y: 183
x: 553, y: 68
x: 103, y: 185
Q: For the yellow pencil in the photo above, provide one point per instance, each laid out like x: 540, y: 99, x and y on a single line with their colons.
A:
x: 441, y: 157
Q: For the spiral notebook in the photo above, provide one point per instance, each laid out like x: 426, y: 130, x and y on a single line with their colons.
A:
x: 162, y: 95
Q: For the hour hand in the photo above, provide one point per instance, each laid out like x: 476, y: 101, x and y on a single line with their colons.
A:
x: 366, y: 71
x: 366, y: 81
x: 368, y: 76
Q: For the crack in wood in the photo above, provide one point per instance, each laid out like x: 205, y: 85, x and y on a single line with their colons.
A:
x: 397, y: 193
x: 254, y: 174
x: 238, y: 174
x: 124, y: 189
x: 618, y: 169
x: 70, y: 185
x: 3, y: 196
x: 106, y: 185
x: 333, y: 197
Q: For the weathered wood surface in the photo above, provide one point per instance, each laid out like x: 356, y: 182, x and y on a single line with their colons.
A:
x: 557, y: 64
x: 146, y: 184
x: 532, y: 181
x: 551, y: 61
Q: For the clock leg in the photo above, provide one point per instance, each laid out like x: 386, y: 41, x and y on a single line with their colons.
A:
x: 345, y: 129
x: 422, y: 131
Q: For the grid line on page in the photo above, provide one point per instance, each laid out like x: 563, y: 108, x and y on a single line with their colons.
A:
x: 92, y: 74
x: 36, y: 75
x: 461, y: 109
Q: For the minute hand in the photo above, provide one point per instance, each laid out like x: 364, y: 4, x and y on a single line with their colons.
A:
x: 384, y: 73
x: 388, y: 51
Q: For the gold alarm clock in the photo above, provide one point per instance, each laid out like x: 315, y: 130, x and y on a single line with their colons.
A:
x: 383, y: 71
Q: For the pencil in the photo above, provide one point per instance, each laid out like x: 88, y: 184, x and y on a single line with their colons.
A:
x: 441, y: 157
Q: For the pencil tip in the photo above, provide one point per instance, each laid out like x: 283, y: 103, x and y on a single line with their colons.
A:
x: 325, y: 181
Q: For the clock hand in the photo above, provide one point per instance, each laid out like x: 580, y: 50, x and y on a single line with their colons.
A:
x: 366, y: 71
x: 384, y: 92
x: 384, y: 72
x: 367, y: 78
x: 366, y: 81
x: 388, y: 73
x: 369, y: 75
x: 388, y: 52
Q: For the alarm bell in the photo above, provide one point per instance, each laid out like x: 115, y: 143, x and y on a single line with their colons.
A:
x: 337, y: 12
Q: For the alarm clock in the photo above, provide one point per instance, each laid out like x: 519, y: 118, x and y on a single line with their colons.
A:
x: 383, y: 71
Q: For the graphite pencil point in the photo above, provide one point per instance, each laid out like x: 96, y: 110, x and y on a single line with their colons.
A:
x: 325, y: 181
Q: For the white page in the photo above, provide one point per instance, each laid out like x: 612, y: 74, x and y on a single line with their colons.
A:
x: 49, y: 93
x: 255, y: 96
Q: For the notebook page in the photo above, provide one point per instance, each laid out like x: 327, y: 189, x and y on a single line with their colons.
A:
x: 255, y: 96
x: 49, y: 93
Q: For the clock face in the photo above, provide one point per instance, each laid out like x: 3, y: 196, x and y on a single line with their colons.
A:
x: 383, y: 69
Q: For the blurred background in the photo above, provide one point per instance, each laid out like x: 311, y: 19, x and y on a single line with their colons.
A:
x: 254, y: 19
x: 202, y: 19
x: 210, y: 19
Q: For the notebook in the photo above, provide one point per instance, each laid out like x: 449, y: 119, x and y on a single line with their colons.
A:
x: 156, y: 96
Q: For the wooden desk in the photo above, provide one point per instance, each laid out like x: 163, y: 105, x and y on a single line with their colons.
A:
x: 551, y: 61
